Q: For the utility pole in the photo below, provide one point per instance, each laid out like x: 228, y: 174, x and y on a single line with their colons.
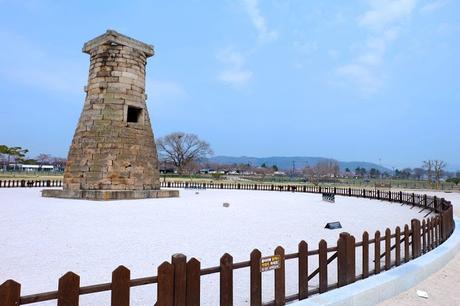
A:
x: 293, y: 169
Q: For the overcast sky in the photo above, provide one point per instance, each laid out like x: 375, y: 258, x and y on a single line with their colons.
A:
x: 351, y: 80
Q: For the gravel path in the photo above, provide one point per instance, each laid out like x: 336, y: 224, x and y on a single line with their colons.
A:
x: 442, y: 286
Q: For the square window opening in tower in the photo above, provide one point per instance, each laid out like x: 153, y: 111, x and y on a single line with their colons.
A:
x: 134, y: 114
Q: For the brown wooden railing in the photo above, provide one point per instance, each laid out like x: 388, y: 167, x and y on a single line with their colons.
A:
x: 30, y: 183
x: 179, y: 281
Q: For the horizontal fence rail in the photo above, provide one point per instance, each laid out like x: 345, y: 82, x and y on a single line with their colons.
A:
x: 416, y: 185
x: 178, y: 281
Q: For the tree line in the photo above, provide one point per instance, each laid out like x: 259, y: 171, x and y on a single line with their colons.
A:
x: 13, y: 156
x: 186, y: 153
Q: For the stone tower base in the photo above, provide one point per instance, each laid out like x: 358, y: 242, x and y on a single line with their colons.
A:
x: 104, y: 195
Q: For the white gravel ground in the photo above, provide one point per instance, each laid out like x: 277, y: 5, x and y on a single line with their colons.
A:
x: 42, y: 238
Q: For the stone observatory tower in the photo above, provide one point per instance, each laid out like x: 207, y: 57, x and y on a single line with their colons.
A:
x: 113, y: 153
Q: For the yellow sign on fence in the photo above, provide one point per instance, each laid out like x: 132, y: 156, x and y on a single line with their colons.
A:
x: 270, y: 263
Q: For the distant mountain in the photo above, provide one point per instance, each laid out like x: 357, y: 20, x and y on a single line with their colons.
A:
x: 284, y: 162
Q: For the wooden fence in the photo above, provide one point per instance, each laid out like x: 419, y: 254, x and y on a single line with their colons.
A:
x: 178, y: 281
x: 30, y: 183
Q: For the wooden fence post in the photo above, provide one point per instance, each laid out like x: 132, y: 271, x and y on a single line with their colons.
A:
x: 387, y: 249
x: 441, y: 239
x: 165, y: 286
x: 436, y: 231
x: 377, y: 252
x: 342, y: 260
x: 193, y: 282
x: 179, y: 261
x: 226, y: 280
x: 120, y: 286
x: 424, y: 227
x: 365, y: 247
x: 351, y: 259
x: 428, y: 233
x: 256, y: 278
x: 346, y: 271
x: 10, y: 293
x: 415, y: 225
x: 439, y: 229
x: 322, y: 254
x: 397, y: 246
x: 69, y: 290
x: 280, y: 279
x: 406, y: 243
x: 443, y: 226
x: 303, y: 270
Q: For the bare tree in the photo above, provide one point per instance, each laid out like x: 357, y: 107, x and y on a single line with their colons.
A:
x: 327, y: 168
x: 58, y: 163
x: 322, y: 170
x: 438, y: 167
x: 406, y: 173
x: 191, y: 168
x: 263, y: 171
x: 182, y: 149
x: 418, y: 173
x: 428, y: 165
x: 310, y: 174
x: 43, y: 159
x: 435, y: 170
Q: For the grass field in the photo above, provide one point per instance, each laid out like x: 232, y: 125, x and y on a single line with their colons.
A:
x: 30, y: 176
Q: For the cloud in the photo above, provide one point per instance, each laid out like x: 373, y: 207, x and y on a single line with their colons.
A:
x: 258, y: 21
x: 303, y: 51
x: 386, y: 12
x: 333, y: 53
x: 237, y: 78
x: 433, y: 6
x: 305, y: 48
x: 384, y: 21
x: 361, y: 75
x: 235, y: 74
